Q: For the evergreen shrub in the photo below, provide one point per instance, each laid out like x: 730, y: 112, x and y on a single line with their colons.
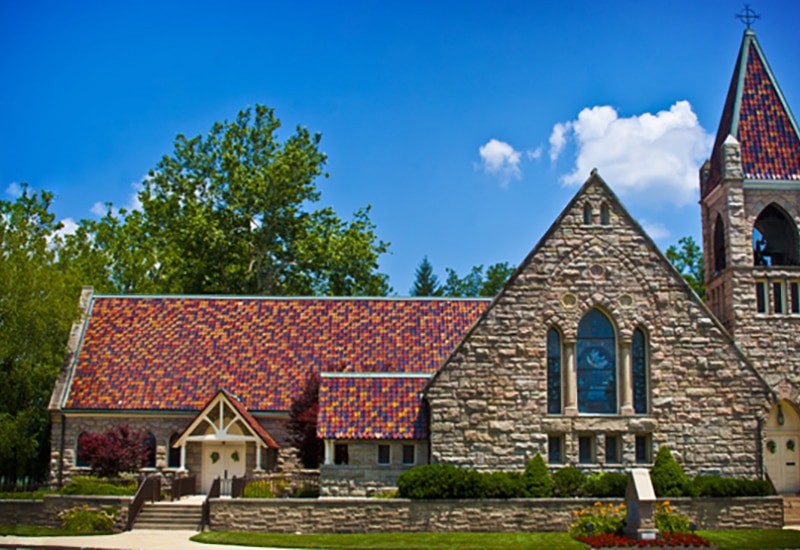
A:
x: 568, y: 482
x: 538, y: 482
x: 439, y: 481
x: 668, y: 477
x: 503, y: 485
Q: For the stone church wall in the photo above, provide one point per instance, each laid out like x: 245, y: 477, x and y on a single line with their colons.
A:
x: 488, y: 402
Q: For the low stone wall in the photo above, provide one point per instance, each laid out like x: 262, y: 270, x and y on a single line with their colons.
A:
x: 45, y: 512
x: 364, y: 515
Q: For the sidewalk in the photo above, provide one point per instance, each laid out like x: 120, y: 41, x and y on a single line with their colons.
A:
x: 143, y: 539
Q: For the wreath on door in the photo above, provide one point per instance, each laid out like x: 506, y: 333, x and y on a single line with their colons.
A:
x: 235, y: 456
x: 214, y: 457
x: 771, y: 446
x: 790, y: 444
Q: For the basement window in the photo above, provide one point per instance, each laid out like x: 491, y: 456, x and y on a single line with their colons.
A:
x: 586, y: 450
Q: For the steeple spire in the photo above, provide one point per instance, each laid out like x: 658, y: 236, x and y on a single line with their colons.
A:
x: 757, y: 116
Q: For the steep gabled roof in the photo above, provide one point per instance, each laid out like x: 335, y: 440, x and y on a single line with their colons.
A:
x: 172, y: 353
x: 757, y: 115
x: 374, y: 406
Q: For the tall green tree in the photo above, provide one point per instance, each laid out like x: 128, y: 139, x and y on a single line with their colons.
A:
x: 426, y: 282
x: 688, y: 260
x: 476, y: 283
x: 38, y: 303
x: 231, y: 213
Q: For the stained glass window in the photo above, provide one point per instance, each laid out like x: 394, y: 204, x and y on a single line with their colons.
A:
x: 150, y: 447
x: 553, y: 372
x: 597, y: 365
x: 174, y: 455
x: 639, y: 367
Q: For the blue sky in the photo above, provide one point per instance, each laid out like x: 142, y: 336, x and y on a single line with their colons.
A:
x: 466, y: 125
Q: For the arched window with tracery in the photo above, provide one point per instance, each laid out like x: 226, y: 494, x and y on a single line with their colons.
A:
x: 80, y: 460
x: 150, y: 449
x: 596, y: 351
x: 639, y: 371
x: 553, y: 372
x: 775, y: 238
x: 719, y: 245
x: 174, y: 454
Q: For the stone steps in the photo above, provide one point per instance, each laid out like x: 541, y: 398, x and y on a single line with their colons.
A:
x: 791, y: 510
x: 166, y: 515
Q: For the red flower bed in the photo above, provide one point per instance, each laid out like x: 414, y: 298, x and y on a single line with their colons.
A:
x: 681, y: 540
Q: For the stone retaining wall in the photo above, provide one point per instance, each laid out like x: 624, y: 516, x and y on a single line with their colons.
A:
x: 45, y: 512
x: 356, y: 515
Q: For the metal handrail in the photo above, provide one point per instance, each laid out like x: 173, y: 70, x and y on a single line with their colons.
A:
x: 150, y: 489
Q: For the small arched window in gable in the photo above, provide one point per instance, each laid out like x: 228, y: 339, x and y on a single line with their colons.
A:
x: 596, y: 351
x: 774, y: 238
x: 81, y: 460
x: 587, y: 213
x: 639, y: 371
x: 174, y: 455
x: 605, y: 214
x: 150, y: 451
x: 719, y: 245
x: 553, y: 372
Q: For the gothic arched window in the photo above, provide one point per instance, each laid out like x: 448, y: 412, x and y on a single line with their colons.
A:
x: 639, y: 371
x: 174, y: 454
x: 597, y: 364
x: 605, y: 214
x: 553, y: 372
x: 775, y: 238
x: 587, y: 213
x: 719, y: 245
x: 150, y: 449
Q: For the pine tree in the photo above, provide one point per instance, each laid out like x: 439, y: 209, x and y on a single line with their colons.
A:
x: 426, y: 283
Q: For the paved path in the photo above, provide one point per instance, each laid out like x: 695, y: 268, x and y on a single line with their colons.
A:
x: 144, y: 539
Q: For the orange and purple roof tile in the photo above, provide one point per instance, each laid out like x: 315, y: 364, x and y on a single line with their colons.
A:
x: 172, y: 353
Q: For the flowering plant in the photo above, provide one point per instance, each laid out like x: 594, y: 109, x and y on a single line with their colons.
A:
x: 598, y: 519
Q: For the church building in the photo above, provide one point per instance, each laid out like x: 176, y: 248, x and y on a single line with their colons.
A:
x: 595, y: 353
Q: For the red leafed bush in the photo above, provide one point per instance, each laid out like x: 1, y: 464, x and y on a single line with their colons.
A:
x: 117, y: 450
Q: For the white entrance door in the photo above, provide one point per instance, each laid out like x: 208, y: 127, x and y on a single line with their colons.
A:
x: 782, y: 447
x: 223, y: 460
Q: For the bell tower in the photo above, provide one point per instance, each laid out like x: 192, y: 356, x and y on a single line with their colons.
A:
x: 750, y: 205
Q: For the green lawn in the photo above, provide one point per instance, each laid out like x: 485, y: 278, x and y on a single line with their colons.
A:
x: 726, y: 540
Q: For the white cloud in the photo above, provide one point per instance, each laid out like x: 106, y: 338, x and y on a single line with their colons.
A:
x: 14, y: 189
x: 68, y: 227
x: 536, y: 154
x: 558, y: 139
x: 652, y: 156
x: 99, y: 209
x: 501, y: 159
x: 656, y: 230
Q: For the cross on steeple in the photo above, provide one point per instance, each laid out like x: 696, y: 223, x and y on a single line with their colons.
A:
x: 747, y: 16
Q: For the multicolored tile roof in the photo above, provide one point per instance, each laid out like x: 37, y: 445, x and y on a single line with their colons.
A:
x: 757, y: 115
x: 174, y: 353
x: 372, y: 408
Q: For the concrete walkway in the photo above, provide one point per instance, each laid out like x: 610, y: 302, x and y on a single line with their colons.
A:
x: 143, y: 539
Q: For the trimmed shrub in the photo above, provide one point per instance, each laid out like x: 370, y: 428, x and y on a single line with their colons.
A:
x: 568, y: 482
x: 668, y: 477
x: 716, y: 486
x: 504, y: 485
x: 538, y: 482
x: 438, y: 481
x: 606, y: 485
x: 95, y: 486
